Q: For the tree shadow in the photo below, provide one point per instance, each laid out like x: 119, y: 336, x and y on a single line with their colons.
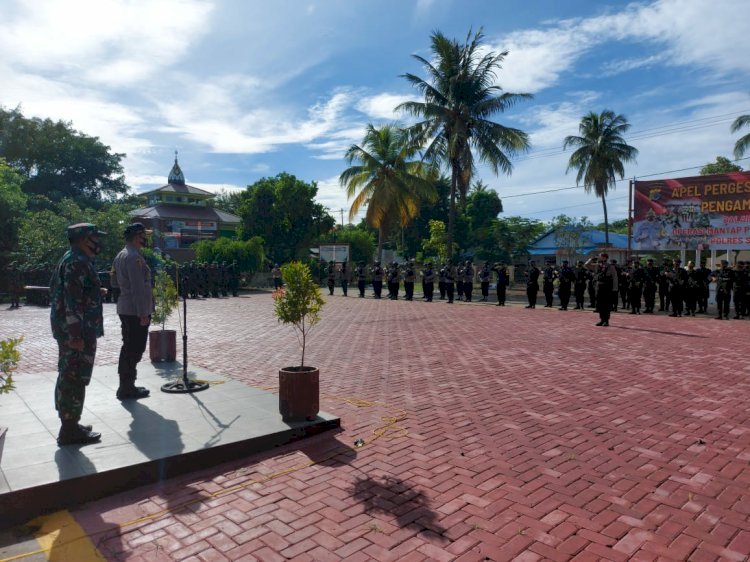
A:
x: 406, y: 503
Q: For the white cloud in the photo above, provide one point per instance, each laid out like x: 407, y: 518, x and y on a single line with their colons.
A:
x: 381, y: 106
x: 101, y: 41
x: 688, y: 33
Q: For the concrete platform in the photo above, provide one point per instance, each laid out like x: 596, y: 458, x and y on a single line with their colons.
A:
x: 142, y: 440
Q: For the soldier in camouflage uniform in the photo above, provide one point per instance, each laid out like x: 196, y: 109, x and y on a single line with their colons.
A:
x: 76, y: 320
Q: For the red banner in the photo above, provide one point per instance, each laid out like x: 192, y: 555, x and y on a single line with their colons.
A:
x: 684, y: 213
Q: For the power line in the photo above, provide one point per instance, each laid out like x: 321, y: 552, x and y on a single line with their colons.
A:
x: 616, y: 181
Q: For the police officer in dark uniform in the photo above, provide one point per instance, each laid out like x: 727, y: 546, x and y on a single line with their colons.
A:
x: 331, y: 277
x: 344, y: 277
x: 410, y: 277
x: 704, y: 277
x: 650, y: 282
x: 428, y: 281
x: 724, y: 279
x: 606, y: 279
x: 377, y: 279
x: 450, y: 277
x: 460, y: 281
x: 579, y: 288
x: 548, y: 286
x: 740, y: 288
x: 394, y: 281
x: 441, y: 280
x: 468, y: 280
x: 76, y: 320
x: 566, y: 276
x: 135, y: 306
x: 636, y: 280
x: 361, y: 278
x: 485, y: 274
x: 692, y: 288
x: 677, y: 280
x: 532, y: 283
x: 503, y: 280
x: 664, y: 286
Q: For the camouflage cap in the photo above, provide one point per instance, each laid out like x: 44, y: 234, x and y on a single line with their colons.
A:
x: 82, y: 230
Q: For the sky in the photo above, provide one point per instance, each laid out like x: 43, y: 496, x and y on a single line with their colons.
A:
x: 245, y: 89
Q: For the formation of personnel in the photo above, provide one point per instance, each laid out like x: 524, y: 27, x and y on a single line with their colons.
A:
x: 453, y: 281
x: 681, y: 291
x: 207, y: 280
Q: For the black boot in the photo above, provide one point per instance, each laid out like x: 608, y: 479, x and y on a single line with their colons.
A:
x: 133, y: 392
x: 71, y: 433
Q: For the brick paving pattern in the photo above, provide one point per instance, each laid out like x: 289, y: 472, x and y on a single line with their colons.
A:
x: 490, y: 434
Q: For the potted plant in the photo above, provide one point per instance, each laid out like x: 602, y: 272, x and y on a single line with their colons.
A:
x: 9, y: 358
x: 298, y: 303
x: 162, y: 344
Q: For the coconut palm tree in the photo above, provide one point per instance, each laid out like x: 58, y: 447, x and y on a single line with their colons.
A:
x: 460, y: 96
x: 600, y: 153
x: 742, y: 143
x: 384, y: 179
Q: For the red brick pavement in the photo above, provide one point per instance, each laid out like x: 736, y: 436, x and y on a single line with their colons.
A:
x: 491, y: 434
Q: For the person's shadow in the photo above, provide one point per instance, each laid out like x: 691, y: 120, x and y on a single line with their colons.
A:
x: 153, y: 435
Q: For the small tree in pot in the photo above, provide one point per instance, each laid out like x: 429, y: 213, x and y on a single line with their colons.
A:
x: 163, y: 343
x: 298, y: 304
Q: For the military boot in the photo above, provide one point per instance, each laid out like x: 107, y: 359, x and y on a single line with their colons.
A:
x: 132, y: 393
x: 71, y: 433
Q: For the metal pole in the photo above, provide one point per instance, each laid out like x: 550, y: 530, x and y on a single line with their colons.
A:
x: 630, y: 215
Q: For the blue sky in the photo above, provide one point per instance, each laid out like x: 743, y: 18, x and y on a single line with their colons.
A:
x: 246, y: 89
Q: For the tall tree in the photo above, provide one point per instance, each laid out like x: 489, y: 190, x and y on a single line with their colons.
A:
x: 283, y: 212
x: 600, y: 154
x: 460, y: 97
x: 12, y: 207
x: 743, y: 142
x: 58, y: 162
x: 385, y: 180
x: 722, y: 165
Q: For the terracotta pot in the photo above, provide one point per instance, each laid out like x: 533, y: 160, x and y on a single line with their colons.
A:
x: 299, y: 393
x: 162, y: 345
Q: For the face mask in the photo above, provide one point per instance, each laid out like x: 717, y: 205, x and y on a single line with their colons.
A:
x: 94, y: 246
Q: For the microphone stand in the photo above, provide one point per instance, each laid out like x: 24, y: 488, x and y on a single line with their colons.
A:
x: 185, y: 385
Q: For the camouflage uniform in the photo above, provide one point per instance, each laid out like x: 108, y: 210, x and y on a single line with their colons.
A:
x: 75, y: 315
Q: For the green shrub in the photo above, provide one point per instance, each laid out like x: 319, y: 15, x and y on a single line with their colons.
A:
x: 166, y: 298
x: 299, y: 301
x: 9, y: 358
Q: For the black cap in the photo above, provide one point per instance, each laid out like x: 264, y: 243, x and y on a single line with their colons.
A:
x: 134, y: 229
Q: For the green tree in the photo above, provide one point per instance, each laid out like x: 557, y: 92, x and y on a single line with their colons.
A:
x: 58, y: 162
x: 744, y: 141
x: 514, y: 235
x: 482, y: 208
x: 12, y: 207
x: 42, y: 238
x: 248, y: 254
x: 437, y: 244
x: 361, y: 242
x: 721, y: 166
x: 228, y: 201
x: 600, y: 154
x: 385, y: 180
x: 282, y: 211
x: 460, y: 96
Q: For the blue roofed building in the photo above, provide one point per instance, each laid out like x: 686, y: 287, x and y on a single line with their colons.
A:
x: 572, y: 244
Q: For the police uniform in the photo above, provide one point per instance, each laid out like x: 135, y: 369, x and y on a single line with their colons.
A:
x: 677, y: 282
x: 502, y: 282
x: 76, y: 321
x: 581, y: 280
x: 468, y: 280
x: 484, y: 280
x: 724, y: 279
x: 441, y: 280
x: 377, y: 280
x: 428, y: 282
x: 636, y: 280
x: 410, y: 277
x: 548, y: 286
x: 344, y: 278
x: 134, y: 308
x: 532, y: 284
x: 566, y: 277
x: 650, y: 282
x: 740, y: 288
x: 606, y: 280
x: 450, y: 277
x: 361, y: 279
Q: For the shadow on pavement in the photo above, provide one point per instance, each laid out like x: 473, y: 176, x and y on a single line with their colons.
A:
x: 657, y: 331
x: 392, y: 495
